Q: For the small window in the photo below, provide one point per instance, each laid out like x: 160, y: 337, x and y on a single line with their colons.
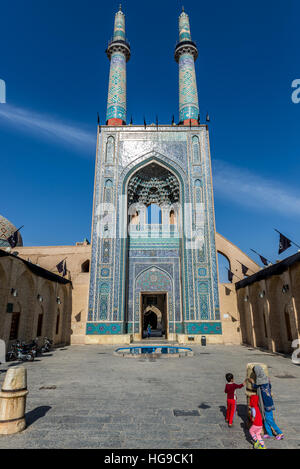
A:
x: 40, y: 325
x: 85, y: 267
x: 14, y: 327
x: 9, y: 307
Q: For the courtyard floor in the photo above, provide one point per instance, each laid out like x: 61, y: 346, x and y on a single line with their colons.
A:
x: 98, y: 400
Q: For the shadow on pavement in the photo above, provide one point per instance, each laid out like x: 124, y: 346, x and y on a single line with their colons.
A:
x: 223, y: 410
x: 204, y: 406
x: 36, y: 414
x: 242, y: 412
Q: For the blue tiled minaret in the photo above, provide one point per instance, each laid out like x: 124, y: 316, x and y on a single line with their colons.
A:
x: 118, y: 53
x: 186, y: 53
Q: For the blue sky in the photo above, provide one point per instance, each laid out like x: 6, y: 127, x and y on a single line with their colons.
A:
x: 56, y: 72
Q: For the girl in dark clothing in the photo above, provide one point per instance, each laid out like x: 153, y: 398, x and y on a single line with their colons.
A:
x: 264, y: 387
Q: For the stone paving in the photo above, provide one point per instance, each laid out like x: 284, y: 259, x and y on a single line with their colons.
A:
x: 98, y: 400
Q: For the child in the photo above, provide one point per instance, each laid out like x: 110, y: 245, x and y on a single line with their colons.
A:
x: 149, y: 331
x: 230, y: 389
x: 264, y: 387
x: 257, y: 423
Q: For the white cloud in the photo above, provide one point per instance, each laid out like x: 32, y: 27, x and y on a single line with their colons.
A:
x: 43, y: 125
x: 249, y: 189
x: 236, y: 184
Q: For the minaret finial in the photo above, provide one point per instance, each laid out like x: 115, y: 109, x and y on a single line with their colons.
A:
x: 182, y: 8
x: 120, y: 7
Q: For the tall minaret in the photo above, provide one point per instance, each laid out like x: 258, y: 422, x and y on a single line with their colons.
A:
x: 186, y: 53
x: 118, y: 52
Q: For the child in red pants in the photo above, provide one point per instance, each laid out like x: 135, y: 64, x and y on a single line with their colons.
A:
x: 257, y: 423
x: 230, y: 390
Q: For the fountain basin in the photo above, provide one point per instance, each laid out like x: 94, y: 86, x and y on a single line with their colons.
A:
x: 157, y: 351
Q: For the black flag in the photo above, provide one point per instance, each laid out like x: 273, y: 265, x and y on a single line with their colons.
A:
x: 61, y: 267
x: 156, y: 121
x: 131, y: 122
x: 145, y: 122
x: 98, y: 118
x: 264, y: 260
x: 14, y: 238
x: 244, y: 269
x: 230, y: 275
x: 284, y: 243
x: 198, y: 119
x: 173, y: 120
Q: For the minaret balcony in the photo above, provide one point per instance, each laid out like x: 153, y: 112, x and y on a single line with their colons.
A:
x: 118, y: 45
x: 186, y: 47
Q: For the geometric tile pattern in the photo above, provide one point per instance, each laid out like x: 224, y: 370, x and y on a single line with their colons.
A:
x: 188, y: 94
x: 116, y: 104
x: 203, y: 328
x: 102, y: 328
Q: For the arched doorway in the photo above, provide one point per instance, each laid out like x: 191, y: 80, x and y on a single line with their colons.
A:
x: 154, y: 295
x: 154, y: 313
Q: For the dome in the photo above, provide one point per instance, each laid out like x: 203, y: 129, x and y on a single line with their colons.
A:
x: 6, y: 230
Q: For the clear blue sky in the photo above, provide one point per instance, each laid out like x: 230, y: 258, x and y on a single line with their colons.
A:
x: 56, y: 71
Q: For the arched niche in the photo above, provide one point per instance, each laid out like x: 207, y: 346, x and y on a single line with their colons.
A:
x: 110, y: 150
x: 277, y: 321
x: 223, y: 267
x: 26, y: 297
x: 196, y: 149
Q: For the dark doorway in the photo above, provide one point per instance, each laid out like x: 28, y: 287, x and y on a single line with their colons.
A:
x: 154, y: 313
x: 15, y: 321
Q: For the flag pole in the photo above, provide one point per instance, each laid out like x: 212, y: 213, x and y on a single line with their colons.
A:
x: 245, y: 266
x: 288, y: 239
x: 262, y: 256
x: 233, y: 273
